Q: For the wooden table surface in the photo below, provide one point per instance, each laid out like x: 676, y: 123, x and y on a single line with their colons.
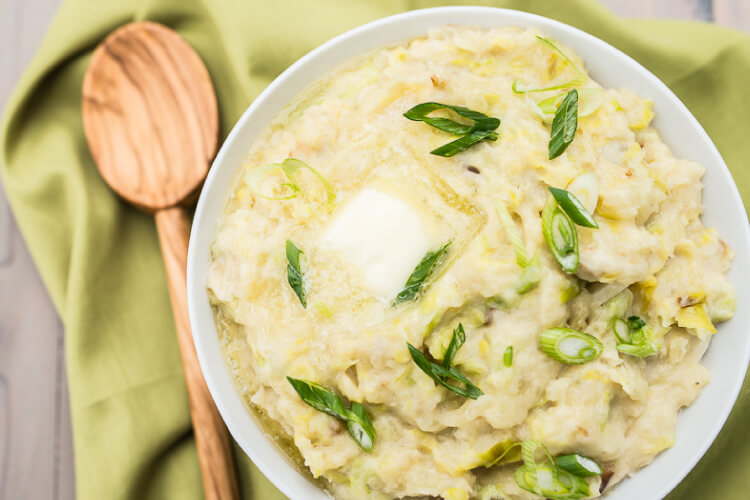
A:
x: 36, y: 456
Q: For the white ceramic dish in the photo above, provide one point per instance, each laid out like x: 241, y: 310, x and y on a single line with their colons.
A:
x: 728, y: 356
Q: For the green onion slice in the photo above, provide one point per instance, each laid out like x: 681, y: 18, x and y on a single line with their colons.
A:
x: 360, y: 427
x: 326, y: 401
x: 547, y: 479
x: 294, y: 272
x: 622, y: 332
x: 417, y: 279
x: 481, y: 121
x: 635, y: 323
x: 569, y: 346
x: 482, y: 128
x: 579, y: 465
x: 573, y: 207
x: 634, y: 337
x: 442, y: 375
x: 530, y: 277
x: 508, y: 356
x: 564, y: 125
x: 643, y: 350
x: 319, y: 397
x: 560, y: 235
x: 464, y: 143
x: 457, y: 340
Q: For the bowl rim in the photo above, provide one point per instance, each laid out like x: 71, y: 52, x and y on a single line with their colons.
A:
x: 204, y: 229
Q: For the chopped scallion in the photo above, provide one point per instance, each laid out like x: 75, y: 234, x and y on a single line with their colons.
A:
x: 417, y: 279
x: 294, y: 272
x: 560, y: 235
x: 326, y: 401
x: 573, y: 207
x: 579, y: 465
x: 445, y: 372
x: 482, y: 128
x: 634, y: 337
x: 508, y: 356
x: 564, y: 125
x: 569, y: 346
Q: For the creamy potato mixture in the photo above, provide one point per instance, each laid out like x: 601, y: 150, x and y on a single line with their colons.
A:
x: 354, y: 258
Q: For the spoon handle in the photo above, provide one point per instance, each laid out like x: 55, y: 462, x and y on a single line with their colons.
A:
x: 212, y: 441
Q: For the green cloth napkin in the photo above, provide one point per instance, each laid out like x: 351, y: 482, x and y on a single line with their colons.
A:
x: 100, y: 258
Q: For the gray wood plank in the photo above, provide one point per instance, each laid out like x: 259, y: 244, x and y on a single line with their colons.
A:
x: 36, y: 452
x: 732, y: 13
x: 672, y: 9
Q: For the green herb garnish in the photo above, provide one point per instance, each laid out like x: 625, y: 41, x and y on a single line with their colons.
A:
x: 326, y: 401
x: 573, y: 207
x: 560, y: 235
x: 508, y: 356
x: 416, y: 280
x: 564, y: 125
x: 294, y: 272
x: 569, y: 346
x: 444, y: 372
x: 482, y: 129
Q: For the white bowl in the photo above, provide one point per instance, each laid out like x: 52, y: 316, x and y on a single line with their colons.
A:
x: 728, y: 356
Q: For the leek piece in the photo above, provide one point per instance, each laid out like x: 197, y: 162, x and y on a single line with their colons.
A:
x: 291, y: 168
x: 530, y: 277
x: 578, y: 80
x: 695, y: 317
x: 589, y: 100
x: 513, y: 234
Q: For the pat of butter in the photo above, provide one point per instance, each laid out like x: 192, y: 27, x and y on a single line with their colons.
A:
x: 381, y: 237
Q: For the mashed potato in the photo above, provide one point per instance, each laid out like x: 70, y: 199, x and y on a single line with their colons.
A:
x: 375, y: 203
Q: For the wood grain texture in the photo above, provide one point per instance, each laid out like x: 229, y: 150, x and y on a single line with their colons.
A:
x: 150, y: 115
x: 212, y: 440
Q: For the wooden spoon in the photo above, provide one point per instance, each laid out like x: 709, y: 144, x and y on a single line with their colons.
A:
x: 150, y: 118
